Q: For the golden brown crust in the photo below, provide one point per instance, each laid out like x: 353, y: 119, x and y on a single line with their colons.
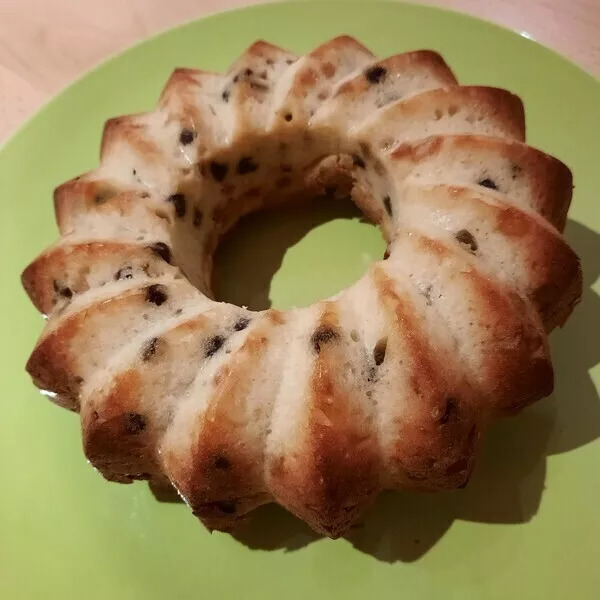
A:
x: 265, y: 50
x: 123, y: 422
x: 78, y: 195
x: 317, y: 74
x: 66, y: 270
x: 504, y: 106
x: 220, y: 473
x: 53, y: 362
x: 552, y: 270
x: 436, y: 438
x: 182, y: 100
x: 550, y: 180
x: 117, y: 438
x: 50, y: 368
x: 69, y: 348
x: 337, y: 45
x: 423, y: 61
x: 335, y: 474
x: 516, y: 359
x: 555, y: 270
x: 77, y: 200
x: 249, y: 86
x: 130, y: 130
x: 179, y: 96
x: 496, y: 109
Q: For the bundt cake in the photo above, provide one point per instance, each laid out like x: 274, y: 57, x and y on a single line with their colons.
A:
x: 389, y: 384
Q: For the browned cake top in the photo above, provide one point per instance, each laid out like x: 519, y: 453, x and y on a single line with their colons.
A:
x: 392, y: 382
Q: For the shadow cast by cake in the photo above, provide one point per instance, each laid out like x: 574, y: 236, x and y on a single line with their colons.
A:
x: 508, y: 482
x: 575, y: 351
x: 402, y: 526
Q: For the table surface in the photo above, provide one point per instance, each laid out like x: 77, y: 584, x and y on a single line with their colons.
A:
x: 45, y: 44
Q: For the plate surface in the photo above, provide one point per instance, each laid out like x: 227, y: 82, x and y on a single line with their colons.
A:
x: 527, y: 526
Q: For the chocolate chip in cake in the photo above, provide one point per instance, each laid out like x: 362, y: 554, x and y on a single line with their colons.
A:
x: 387, y: 203
x: 358, y: 161
x: 134, y: 423
x: 371, y: 374
x: 241, y: 324
x: 149, y: 349
x: 288, y: 117
x: 289, y: 61
x: 179, y: 202
x: 218, y: 170
x: 488, y: 183
x: 516, y: 171
x: 375, y: 74
x: 426, y: 293
x: 246, y: 165
x: 197, y: 217
x: 466, y: 238
x: 213, y: 345
x: 225, y: 95
x: 62, y: 289
x: 222, y: 462
x: 162, y: 250
x: 386, y: 254
x: 102, y: 196
x: 323, y: 335
x: 156, y: 294
x: 66, y: 292
x: 450, y: 410
x: 379, y: 351
x: 124, y: 273
x: 186, y: 137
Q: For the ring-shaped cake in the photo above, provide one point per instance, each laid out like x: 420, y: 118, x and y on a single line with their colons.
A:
x: 389, y: 384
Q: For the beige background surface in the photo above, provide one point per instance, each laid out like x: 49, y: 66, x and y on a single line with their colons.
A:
x: 45, y: 44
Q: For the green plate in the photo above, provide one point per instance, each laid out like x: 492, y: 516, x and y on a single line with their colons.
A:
x: 527, y: 526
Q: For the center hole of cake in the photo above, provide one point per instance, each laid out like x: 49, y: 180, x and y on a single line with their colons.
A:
x: 292, y: 256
